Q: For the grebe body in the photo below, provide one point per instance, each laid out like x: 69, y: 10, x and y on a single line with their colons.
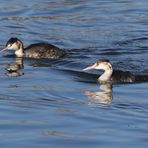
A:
x: 110, y: 75
x: 38, y: 50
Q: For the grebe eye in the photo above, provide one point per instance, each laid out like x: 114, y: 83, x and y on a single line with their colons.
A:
x: 9, y: 45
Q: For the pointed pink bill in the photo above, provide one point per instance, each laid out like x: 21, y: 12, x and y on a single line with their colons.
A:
x: 3, y: 49
x: 89, y: 67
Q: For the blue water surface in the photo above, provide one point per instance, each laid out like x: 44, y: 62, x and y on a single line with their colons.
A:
x: 53, y: 103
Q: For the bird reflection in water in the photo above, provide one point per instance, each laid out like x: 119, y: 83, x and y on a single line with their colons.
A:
x: 104, y: 96
x: 13, y: 69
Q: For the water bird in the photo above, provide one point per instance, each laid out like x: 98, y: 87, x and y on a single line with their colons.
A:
x: 37, y: 50
x: 110, y: 75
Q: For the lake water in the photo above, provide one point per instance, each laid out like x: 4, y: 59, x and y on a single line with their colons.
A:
x: 53, y: 103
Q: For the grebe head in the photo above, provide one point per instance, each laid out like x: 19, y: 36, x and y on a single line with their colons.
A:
x: 16, y: 45
x: 102, y: 65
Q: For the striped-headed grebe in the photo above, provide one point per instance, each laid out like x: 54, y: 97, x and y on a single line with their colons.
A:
x: 110, y: 75
x: 37, y: 50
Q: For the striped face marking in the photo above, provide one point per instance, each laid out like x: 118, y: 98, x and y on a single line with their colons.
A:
x: 101, y: 64
x: 12, y: 46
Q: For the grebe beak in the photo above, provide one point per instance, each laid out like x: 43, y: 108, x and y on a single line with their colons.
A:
x: 90, y: 67
x: 3, y: 49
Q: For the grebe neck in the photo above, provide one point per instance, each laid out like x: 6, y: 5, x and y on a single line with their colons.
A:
x: 106, y: 76
x: 20, y: 51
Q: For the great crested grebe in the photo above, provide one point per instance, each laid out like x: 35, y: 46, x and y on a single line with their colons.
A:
x: 37, y: 50
x: 109, y: 74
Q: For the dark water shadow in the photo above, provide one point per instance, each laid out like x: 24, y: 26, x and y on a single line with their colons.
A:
x: 131, y: 41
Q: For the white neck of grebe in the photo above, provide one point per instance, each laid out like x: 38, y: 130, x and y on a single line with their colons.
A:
x: 20, y: 52
x: 106, y: 76
x: 104, y: 65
